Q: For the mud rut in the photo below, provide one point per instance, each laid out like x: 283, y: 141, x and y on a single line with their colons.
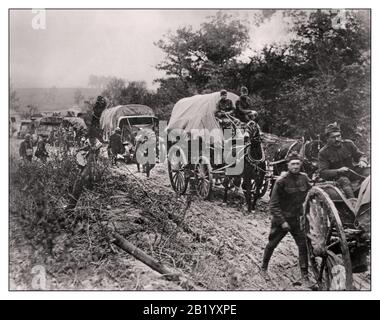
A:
x: 241, y: 238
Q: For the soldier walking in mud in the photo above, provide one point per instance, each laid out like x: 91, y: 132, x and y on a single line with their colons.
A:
x: 285, y: 206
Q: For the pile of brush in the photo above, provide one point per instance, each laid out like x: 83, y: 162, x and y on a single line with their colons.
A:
x: 66, y: 242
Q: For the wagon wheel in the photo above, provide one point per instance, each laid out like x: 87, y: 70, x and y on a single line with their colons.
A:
x: 326, y: 242
x: 203, y: 180
x: 177, y: 162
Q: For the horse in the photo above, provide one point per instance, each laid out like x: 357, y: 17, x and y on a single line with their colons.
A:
x: 307, y: 149
x: 254, y: 168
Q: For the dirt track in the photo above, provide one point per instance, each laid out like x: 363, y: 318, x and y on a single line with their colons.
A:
x: 236, y: 239
x: 241, y: 236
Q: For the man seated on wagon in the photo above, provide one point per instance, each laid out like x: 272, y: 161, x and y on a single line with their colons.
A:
x: 243, y: 105
x: 224, y: 110
x: 336, y: 160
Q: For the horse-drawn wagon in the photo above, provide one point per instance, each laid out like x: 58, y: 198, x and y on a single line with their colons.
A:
x: 337, y: 233
x: 201, y: 154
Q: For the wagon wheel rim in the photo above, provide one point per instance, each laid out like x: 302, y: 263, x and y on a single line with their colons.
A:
x: 332, y: 267
x: 203, y: 180
x: 177, y: 173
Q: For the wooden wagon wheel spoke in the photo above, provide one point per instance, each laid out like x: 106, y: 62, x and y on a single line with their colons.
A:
x: 175, y: 178
x: 203, y: 179
x: 323, y: 264
x: 177, y: 175
x: 322, y: 217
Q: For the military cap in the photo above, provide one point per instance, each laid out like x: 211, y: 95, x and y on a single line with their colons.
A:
x: 244, y: 90
x: 332, y: 127
x: 294, y: 155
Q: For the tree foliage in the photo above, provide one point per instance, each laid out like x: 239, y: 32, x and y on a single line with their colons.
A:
x: 204, y: 58
x: 14, y: 100
x: 328, y: 65
x: 322, y: 75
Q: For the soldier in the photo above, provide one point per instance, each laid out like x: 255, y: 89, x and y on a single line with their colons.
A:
x: 285, y: 206
x: 41, y: 152
x: 26, y: 148
x: 115, y: 145
x: 243, y: 105
x: 146, y: 142
x: 252, y: 117
x: 224, y: 108
x: 336, y: 160
x: 70, y: 138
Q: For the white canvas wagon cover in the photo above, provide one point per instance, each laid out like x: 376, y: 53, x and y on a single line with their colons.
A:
x: 198, y: 112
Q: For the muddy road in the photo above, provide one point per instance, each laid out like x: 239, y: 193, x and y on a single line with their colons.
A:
x: 228, y: 258
x: 241, y: 237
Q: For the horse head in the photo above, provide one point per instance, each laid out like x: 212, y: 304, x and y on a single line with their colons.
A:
x: 253, y: 140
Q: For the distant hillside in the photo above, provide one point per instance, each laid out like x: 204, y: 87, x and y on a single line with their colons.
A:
x: 48, y: 99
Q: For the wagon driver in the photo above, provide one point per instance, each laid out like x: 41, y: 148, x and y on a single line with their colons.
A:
x: 336, y: 160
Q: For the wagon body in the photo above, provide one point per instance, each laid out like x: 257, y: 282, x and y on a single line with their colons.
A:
x: 337, y: 234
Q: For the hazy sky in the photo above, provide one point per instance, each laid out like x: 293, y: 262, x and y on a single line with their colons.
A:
x: 77, y: 43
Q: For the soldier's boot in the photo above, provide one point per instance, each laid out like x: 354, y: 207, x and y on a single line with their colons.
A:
x: 306, y: 281
x: 266, y: 258
x: 304, y: 274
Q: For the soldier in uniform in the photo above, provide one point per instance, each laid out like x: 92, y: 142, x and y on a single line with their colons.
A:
x: 285, y: 206
x: 224, y: 108
x: 251, y: 118
x: 115, y: 145
x: 336, y: 160
x: 26, y: 148
x: 243, y: 105
x: 41, y: 152
x: 70, y: 138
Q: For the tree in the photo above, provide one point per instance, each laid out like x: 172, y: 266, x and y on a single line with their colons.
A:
x: 114, y: 91
x: 29, y: 111
x: 136, y: 92
x: 78, y: 97
x: 203, y: 58
x: 329, y: 74
x: 324, y: 46
x: 14, y: 100
x: 98, y: 82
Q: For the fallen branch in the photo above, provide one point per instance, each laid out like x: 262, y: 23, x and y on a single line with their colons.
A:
x: 152, y: 263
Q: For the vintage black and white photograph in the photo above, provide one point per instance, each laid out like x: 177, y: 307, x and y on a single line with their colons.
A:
x: 190, y: 149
